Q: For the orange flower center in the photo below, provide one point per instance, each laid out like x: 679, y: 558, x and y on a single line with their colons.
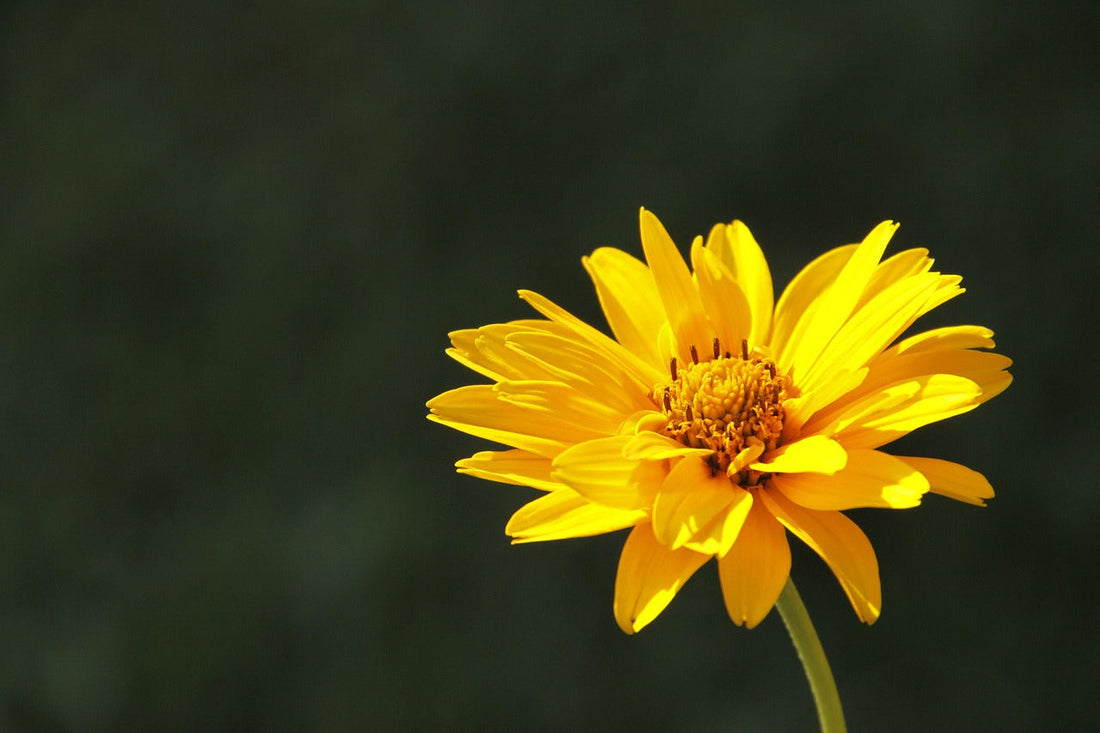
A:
x: 732, y: 405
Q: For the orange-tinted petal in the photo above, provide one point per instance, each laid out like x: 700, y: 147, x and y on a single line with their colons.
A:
x: 871, y: 479
x: 953, y: 480
x: 841, y: 544
x: 563, y: 514
x: 756, y: 568
x: 649, y: 577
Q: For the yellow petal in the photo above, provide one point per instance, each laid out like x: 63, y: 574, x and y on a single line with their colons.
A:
x: 563, y: 514
x: 597, y: 470
x: 643, y: 373
x: 927, y: 400
x: 649, y: 577
x: 629, y: 300
x: 582, y: 367
x: 871, y: 479
x: 678, y: 293
x: 725, y: 304
x: 476, y: 410
x: 563, y: 402
x: 984, y: 369
x: 949, y: 337
x: 953, y: 480
x: 888, y: 413
x: 744, y: 259
x: 843, y: 547
x: 649, y: 446
x: 815, y: 454
x: 516, y: 467
x: 756, y: 568
x: 872, y: 328
x: 693, y: 506
x: 806, y: 286
x: 904, y: 264
x: 483, y: 350
x: 828, y: 311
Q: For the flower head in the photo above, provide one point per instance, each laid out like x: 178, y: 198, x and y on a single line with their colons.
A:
x: 713, y: 423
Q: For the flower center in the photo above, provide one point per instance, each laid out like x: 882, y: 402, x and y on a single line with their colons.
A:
x: 732, y: 405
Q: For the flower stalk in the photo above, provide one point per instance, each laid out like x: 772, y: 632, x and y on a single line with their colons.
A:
x: 797, y: 620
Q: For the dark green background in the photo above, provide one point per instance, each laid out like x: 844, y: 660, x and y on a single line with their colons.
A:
x: 234, y: 236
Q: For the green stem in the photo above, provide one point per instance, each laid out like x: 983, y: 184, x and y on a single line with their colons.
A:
x: 801, y: 629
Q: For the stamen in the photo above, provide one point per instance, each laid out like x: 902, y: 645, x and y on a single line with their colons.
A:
x: 725, y: 405
x: 672, y: 368
x: 694, y: 355
x: 728, y: 355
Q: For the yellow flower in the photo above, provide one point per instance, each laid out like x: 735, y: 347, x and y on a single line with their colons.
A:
x: 713, y: 423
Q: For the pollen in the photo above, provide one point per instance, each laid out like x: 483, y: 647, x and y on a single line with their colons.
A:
x: 732, y: 405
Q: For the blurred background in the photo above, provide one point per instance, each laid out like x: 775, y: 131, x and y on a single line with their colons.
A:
x: 235, y: 237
